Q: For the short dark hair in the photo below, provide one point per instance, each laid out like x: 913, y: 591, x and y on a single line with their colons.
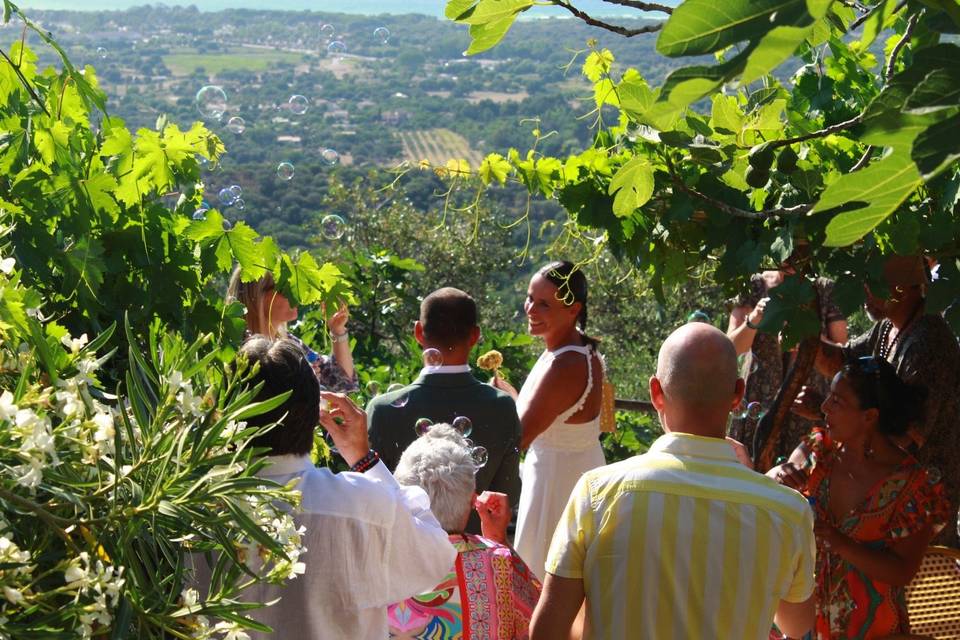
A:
x: 284, y: 367
x: 448, y: 316
x: 877, y: 386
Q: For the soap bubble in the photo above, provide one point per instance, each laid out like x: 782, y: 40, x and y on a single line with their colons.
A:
x: 236, y: 125
x: 394, y: 386
x: 400, y: 401
x: 432, y: 358
x: 330, y: 157
x: 755, y: 411
x: 200, y: 215
x: 422, y: 425
x: 373, y: 388
x: 236, y: 190
x: 933, y: 474
x: 227, y: 225
x: 332, y: 226
x: 480, y: 456
x: 226, y: 197
x: 463, y: 424
x: 382, y: 34
x: 748, y: 364
x: 211, y: 102
x: 285, y: 171
x: 336, y: 48
x: 327, y: 30
x: 102, y: 53
x: 239, y: 204
x: 298, y: 104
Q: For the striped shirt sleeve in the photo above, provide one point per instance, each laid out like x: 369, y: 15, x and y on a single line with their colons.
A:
x: 801, y: 588
x: 573, y: 533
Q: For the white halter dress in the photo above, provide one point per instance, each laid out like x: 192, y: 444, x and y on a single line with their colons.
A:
x: 554, y: 463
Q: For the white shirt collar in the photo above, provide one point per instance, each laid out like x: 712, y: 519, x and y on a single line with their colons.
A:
x: 286, y: 465
x: 446, y: 368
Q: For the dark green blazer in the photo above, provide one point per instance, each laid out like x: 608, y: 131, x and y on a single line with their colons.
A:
x: 441, y: 397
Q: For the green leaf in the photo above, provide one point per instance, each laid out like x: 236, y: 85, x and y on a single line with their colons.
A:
x: 926, y: 92
x: 872, y: 194
x: 936, y: 149
x: 597, y: 64
x: 494, y: 167
x: 489, y: 20
x: 488, y: 34
x: 688, y: 84
x: 875, y: 23
x: 633, y: 185
x: 698, y: 27
x: 774, y: 48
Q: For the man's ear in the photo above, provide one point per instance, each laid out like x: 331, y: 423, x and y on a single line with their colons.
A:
x: 474, y: 336
x: 738, y: 390
x: 418, y: 334
x: 656, y: 393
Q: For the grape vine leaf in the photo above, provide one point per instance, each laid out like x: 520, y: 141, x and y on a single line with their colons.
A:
x: 633, y: 185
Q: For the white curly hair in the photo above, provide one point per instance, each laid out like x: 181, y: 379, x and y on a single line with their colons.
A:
x: 441, y: 463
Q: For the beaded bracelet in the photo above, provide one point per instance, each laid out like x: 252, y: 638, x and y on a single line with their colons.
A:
x: 366, y: 462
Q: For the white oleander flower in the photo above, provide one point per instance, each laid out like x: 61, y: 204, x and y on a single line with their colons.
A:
x: 7, y: 265
x: 75, y: 575
x: 8, y: 410
x: 190, y: 404
x: 103, y: 436
x: 14, y: 596
x: 69, y: 403
x: 74, y: 344
x: 231, y: 631
x: 30, y: 474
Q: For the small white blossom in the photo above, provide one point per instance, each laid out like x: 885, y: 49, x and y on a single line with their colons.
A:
x: 8, y: 410
x: 7, y: 265
x: 75, y: 575
x: 74, y: 344
x: 30, y: 475
x: 231, y: 631
x: 190, y: 404
x: 15, y: 596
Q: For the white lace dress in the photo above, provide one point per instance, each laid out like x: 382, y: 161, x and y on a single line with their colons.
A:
x: 554, y: 463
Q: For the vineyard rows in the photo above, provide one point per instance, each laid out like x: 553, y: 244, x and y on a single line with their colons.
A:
x: 437, y: 146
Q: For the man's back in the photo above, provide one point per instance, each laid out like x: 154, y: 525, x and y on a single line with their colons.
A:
x: 684, y: 542
x: 369, y: 543
x: 441, y: 397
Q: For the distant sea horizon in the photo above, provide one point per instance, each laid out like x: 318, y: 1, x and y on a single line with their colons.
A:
x: 356, y: 7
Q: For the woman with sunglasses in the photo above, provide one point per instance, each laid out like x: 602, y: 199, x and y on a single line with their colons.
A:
x: 876, y: 507
x: 269, y: 311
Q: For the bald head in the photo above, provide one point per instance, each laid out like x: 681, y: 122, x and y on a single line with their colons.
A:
x: 697, y: 368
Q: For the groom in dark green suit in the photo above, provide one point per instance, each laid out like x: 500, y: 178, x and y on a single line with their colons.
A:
x: 448, y: 323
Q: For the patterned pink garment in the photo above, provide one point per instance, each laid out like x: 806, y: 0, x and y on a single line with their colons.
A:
x: 490, y: 595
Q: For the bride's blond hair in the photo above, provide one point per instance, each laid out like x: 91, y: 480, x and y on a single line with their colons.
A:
x: 251, y: 295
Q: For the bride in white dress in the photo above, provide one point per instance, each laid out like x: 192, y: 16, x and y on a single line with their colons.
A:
x: 559, y: 407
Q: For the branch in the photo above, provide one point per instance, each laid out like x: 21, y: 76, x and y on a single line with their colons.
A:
x: 642, y: 6
x: 26, y: 83
x: 864, y: 159
x: 623, y: 31
x: 736, y: 212
x: 892, y: 62
x: 834, y: 128
x: 859, y: 21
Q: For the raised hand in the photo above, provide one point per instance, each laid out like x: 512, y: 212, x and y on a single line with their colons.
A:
x: 807, y: 404
x: 494, y: 511
x: 347, y: 425
x: 337, y: 323
x: 789, y: 475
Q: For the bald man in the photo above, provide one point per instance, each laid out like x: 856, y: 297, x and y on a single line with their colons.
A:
x: 682, y: 541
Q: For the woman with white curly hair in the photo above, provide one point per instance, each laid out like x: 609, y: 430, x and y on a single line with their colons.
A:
x: 489, y: 588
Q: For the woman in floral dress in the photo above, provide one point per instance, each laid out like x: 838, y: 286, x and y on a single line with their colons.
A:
x: 876, y: 507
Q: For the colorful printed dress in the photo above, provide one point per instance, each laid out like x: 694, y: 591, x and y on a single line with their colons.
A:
x: 849, y: 604
x: 489, y: 595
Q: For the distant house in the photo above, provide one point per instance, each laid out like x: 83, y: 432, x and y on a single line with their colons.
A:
x: 396, y: 116
x: 290, y: 139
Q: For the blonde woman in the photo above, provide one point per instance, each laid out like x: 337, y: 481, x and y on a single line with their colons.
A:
x: 269, y: 311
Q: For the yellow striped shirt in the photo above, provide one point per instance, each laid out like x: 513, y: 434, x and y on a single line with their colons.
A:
x: 684, y: 542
